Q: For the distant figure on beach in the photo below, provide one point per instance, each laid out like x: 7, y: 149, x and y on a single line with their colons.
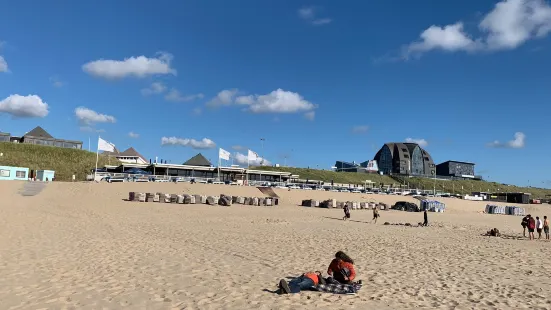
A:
x: 375, y: 214
x: 546, y: 227
x: 346, y: 212
x: 341, y: 269
x: 531, y: 227
x: 426, y: 218
x: 524, y: 224
x: 304, y: 282
x: 539, y: 226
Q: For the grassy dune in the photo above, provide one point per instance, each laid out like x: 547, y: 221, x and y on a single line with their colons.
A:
x: 457, y: 187
x: 65, y: 162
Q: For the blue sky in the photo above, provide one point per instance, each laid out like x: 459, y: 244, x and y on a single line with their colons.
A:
x: 319, y: 80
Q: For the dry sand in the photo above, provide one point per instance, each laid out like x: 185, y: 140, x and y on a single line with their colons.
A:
x: 81, y: 246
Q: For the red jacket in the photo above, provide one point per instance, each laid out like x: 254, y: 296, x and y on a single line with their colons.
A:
x: 338, y: 264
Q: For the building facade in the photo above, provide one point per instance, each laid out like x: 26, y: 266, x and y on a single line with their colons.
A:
x: 130, y: 156
x: 14, y: 173
x: 458, y: 169
x: 405, y: 159
x: 39, y: 136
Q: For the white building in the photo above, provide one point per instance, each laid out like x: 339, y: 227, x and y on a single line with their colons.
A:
x: 130, y: 156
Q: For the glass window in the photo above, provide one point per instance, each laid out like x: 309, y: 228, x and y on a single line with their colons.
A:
x: 4, y: 173
x: 20, y: 174
x: 59, y: 144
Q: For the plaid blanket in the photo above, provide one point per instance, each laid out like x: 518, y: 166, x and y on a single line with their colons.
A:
x: 338, y: 288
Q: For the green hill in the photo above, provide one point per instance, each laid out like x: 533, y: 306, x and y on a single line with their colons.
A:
x: 457, y: 187
x: 65, y: 162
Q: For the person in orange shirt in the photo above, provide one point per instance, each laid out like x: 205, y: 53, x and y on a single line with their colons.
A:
x: 342, y: 268
x: 304, y: 282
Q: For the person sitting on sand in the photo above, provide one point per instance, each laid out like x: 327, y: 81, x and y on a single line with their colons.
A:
x: 346, y: 212
x: 342, y: 269
x: 306, y: 281
x: 531, y: 227
x: 524, y: 224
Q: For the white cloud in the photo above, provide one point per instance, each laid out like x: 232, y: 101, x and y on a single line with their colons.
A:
x: 510, y: 24
x: 91, y: 129
x: 242, y: 159
x: 87, y: 116
x: 310, y: 115
x: 175, y: 96
x: 56, y: 82
x: 3, y: 65
x: 197, y: 111
x: 238, y: 147
x: 154, y: 88
x: 24, y: 106
x: 421, y: 142
x: 360, y: 129
x: 205, y: 143
x: 309, y: 14
x: 517, y: 143
x: 133, y: 135
x: 140, y: 66
x: 225, y: 97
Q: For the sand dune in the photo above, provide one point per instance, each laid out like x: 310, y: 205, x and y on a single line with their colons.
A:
x: 81, y: 246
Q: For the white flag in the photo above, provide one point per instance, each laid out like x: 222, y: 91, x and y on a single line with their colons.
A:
x: 105, y: 146
x: 252, y: 156
x: 223, y: 154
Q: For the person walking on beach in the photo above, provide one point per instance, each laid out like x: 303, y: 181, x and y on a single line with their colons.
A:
x: 346, y: 212
x: 531, y: 227
x: 375, y: 214
x: 546, y: 227
x: 426, y: 218
x: 524, y: 224
x: 539, y: 226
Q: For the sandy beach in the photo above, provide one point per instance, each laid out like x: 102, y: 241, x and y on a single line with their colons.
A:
x: 81, y: 246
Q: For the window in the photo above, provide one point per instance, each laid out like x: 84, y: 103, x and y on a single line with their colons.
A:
x: 427, y: 159
x: 4, y: 173
x: 20, y: 174
x: 405, y: 150
x: 406, y: 156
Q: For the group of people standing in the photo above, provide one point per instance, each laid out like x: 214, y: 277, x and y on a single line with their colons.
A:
x: 528, y: 222
x: 342, y: 274
x: 346, y: 210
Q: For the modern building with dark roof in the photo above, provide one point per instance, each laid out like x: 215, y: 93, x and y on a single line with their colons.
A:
x: 454, y: 168
x: 198, y: 160
x: 406, y: 159
x: 130, y: 156
x: 40, y: 136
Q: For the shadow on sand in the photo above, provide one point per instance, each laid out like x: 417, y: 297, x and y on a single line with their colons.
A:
x: 349, y: 220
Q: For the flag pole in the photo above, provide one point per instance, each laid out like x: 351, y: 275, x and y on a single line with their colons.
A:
x: 97, y: 159
x: 219, y: 161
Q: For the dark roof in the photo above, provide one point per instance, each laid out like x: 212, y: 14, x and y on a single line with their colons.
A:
x: 39, y: 133
x: 455, y: 161
x: 132, y: 152
x: 198, y: 160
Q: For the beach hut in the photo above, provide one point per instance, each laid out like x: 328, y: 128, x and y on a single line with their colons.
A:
x: 45, y: 175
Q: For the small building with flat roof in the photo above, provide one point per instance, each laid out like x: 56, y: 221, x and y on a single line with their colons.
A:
x: 453, y: 168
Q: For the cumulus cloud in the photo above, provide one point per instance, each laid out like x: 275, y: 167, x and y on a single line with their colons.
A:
x: 133, y: 135
x: 421, y: 142
x: 225, y: 97
x: 360, y: 129
x: 175, y: 96
x: 56, y: 82
x: 87, y: 116
x: 154, y: 88
x: 517, y: 143
x: 238, y: 147
x: 205, y: 143
x: 140, y: 67
x: 310, y: 14
x: 242, y: 159
x: 24, y: 106
x: 278, y: 101
x: 510, y: 24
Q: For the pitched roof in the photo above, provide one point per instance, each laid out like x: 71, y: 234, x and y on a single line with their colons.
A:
x: 198, y: 160
x: 131, y: 152
x: 115, y: 153
x: 39, y: 133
